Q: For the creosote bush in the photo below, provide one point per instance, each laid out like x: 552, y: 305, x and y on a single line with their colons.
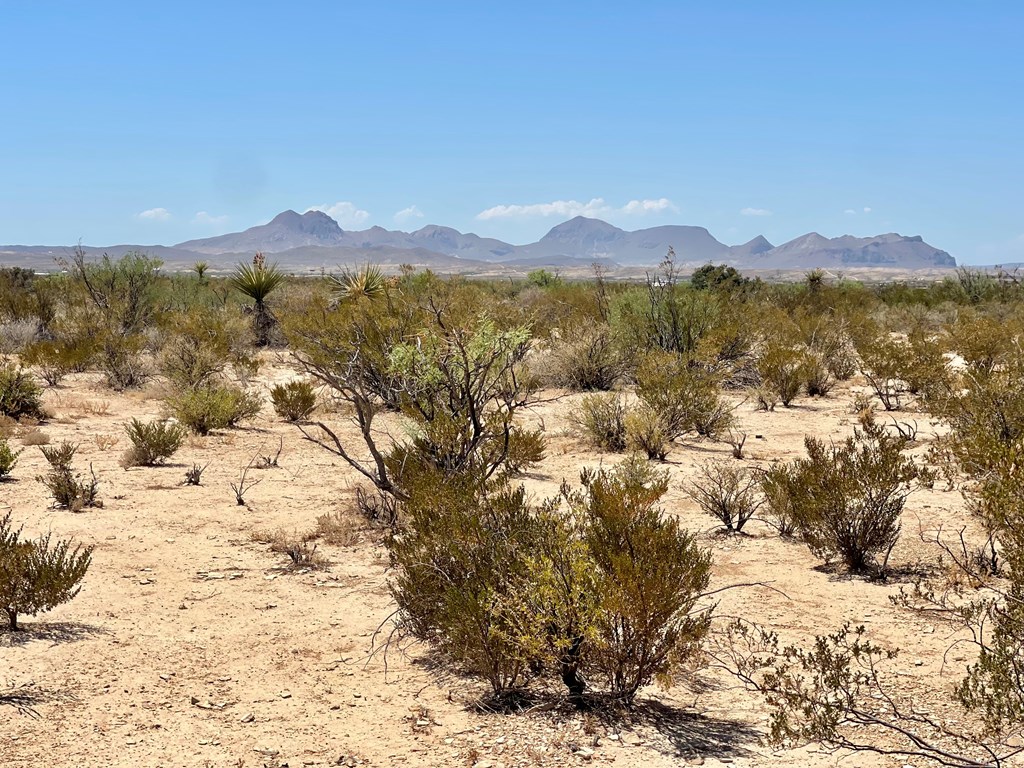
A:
x: 8, y: 458
x: 20, y: 396
x: 586, y: 359
x: 152, y: 442
x: 601, y: 419
x: 214, y: 406
x: 685, y: 393
x: 847, y: 499
x: 604, y: 597
x: 726, y: 492
x: 293, y: 401
x: 69, y: 489
x: 38, y: 575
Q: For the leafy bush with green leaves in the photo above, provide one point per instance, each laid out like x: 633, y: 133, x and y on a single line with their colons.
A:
x: 213, y: 406
x: 152, y: 442
x: 685, y: 393
x: 601, y: 419
x: 55, y: 359
x: 645, y: 432
x: 201, y: 344
x: 38, y: 575
x: 294, y: 400
x: 8, y: 458
x: 20, y: 396
x: 782, y: 368
x: 847, y: 498
x: 777, y: 485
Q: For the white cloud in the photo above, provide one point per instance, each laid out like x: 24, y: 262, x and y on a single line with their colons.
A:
x: 408, y: 214
x: 755, y: 212
x: 155, y: 214
x: 867, y: 210
x: 202, y: 217
x: 345, y: 213
x: 596, y: 207
x: 850, y: 212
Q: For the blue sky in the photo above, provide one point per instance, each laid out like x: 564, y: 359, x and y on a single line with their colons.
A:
x: 156, y: 123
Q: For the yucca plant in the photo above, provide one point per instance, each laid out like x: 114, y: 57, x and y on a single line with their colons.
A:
x: 200, y: 268
x: 368, y: 282
x: 257, y: 281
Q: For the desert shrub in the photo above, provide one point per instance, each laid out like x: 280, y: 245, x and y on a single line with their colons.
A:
x: 8, y: 458
x: 212, y: 407
x: 123, y: 361
x: 293, y: 401
x: 339, y: 528
x: 55, y: 359
x: 782, y: 369
x: 152, y: 443
x: 69, y: 489
x: 648, y: 575
x: 924, y: 367
x: 38, y: 575
x: 463, y: 568
x: 301, y: 552
x: 601, y: 419
x: 459, y: 384
x: 685, y: 394
x: 883, y: 361
x: 847, y: 498
x: 17, y: 335
x: 817, y: 376
x: 587, y: 359
x: 200, y: 345
x: 646, y: 433
x: 726, y: 492
x: 776, y: 486
x: 765, y: 399
x: 20, y: 396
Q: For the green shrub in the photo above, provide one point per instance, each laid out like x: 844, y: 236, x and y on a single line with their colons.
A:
x: 201, y: 344
x: 20, y: 396
x: 587, y: 359
x: 777, y: 488
x: 37, y: 575
x: 685, y: 393
x: 601, y: 419
x: 293, y: 401
x: 645, y: 433
x: 726, y: 492
x: 847, y: 498
x: 152, y: 443
x: 8, y: 458
x: 56, y: 359
x: 648, y: 575
x: 212, y: 407
x: 69, y: 489
x: 817, y: 375
x: 782, y: 369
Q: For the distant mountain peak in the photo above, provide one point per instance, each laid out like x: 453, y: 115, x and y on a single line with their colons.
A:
x: 582, y: 226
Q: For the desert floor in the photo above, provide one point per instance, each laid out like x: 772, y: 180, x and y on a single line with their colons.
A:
x: 193, y: 644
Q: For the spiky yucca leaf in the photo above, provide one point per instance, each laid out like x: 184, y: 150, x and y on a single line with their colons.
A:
x: 368, y: 281
x: 257, y: 280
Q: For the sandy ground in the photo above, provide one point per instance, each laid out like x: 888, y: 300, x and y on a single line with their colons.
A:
x: 192, y: 644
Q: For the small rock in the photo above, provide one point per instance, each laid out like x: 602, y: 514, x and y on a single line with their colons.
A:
x: 585, y: 753
x: 285, y: 695
x: 248, y: 718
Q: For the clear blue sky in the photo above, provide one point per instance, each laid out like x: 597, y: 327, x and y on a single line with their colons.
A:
x: 154, y: 123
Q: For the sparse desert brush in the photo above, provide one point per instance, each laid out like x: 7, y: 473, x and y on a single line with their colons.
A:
x: 601, y: 419
x: 777, y: 486
x: 685, y: 394
x: 847, y: 498
x: 646, y: 433
x: 587, y: 358
x: 293, y: 401
x: 152, y: 442
x: 34, y: 436
x: 340, y: 528
x: 20, y: 396
x: 201, y: 344
x: 8, y: 458
x: 213, y: 407
x: 69, y: 489
x: 782, y: 366
x: 818, y: 378
x: 55, y: 359
x: 37, y: 575
x: 17, y: 335
x: 299, y: 548
x: 726, y: 492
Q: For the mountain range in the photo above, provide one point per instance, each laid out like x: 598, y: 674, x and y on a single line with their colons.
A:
x: 314, y: 240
